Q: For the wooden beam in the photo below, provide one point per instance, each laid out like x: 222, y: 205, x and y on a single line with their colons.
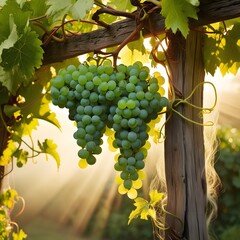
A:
x: 210, y: 12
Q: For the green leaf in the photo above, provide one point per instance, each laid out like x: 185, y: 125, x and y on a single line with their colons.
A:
x: 36, y: 104
x: 9, y: 110
x: 177, y: 13
x: 26, y: 54
x: 21, y: 156
x: 12, y: 38
x: 20, y: 235
x: 49, y: 147
x: 21, y: 17
x: 78, y: 9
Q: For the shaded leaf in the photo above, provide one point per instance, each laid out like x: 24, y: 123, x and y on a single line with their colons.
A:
x: 26, y: 53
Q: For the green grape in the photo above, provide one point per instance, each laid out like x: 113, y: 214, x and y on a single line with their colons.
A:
x: 96, y: 80
x: 55, y: 93
x: 105, y: 77
x: 83, y: 153
x: 110, y: 95
x: 122, y: 104
x: 131, y: 104
x: 139, y: 156
x: 122, y: 161
x: 122, y: 68
x: 112, y: 85
x: 96, y: 119
x: 57, y: 82
x: 143, y: 75
x: 90, y: 146
x: 130, y: 87
x: 97, y: 110
x: 133, y: 79
x: 82, y: 69
x: 93, y: 97
x: 131, y: 161
x: 92, y: 68
x: 140, y: 164
x: 75, y: 75
x: 124, y: 175
x: 88, y: 110
x: 86, y: 119
x: 127, y: 183
x: 90, y: 129
x: 132, y: 136
x: 85, y: 93
x: 164, y: 102
x: 82, y: 79
x: 71, y: 69
x: 67, y: 78
x: 134, y: 176
x: 89, y: 85
x: 91, y: 160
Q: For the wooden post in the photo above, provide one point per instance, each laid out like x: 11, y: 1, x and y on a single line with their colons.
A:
x: 184, y: 146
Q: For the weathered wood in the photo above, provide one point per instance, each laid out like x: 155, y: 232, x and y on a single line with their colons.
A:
x: 210, y: 12
x: 4, y: 134
x: 184, y: 146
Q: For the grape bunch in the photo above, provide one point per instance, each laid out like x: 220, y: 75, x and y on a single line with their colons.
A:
x: 125, y: 99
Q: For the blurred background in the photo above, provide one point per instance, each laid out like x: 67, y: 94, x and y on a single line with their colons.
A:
x: 70, y: 203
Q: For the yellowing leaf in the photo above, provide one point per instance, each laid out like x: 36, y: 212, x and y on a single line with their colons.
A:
x: 7, y: 153
x: 20, y: 235
x: 49, y: 147
x: 155, y: 197
x: 8, y: 198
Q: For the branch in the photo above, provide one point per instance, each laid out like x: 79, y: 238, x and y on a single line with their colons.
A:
x: 210, y: 12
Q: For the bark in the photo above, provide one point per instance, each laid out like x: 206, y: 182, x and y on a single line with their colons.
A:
x: 184, y: 146
x: 3, y: 143
x: 209, y: 12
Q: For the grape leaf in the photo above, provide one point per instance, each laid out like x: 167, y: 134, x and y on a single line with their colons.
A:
x: 134, y: 51
x: 155, y: 197
x: 177, y: 13
x: 78, y: 9
x: 8, y: 198
x: 20, y: 18
x: 7, y: 153
x: 26, y: 54
x: 222, y: 50
x: 36, y: 104
x: 49, y: 147
x: 12, y: 38
x: 20, y: 235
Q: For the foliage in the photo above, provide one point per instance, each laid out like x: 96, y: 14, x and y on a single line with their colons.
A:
x: 228, y: 168
x: 7, y: 201
x: 118, y: 229
x: 29, y: 25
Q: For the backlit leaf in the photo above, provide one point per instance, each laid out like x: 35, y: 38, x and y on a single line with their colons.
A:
x: 78, y: 9
x: 20, y: 235
x: 49, y: 147
x: 176, y: 14
x: 155, y: 197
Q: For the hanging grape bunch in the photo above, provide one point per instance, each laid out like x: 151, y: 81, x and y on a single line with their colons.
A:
x: 126, y: 100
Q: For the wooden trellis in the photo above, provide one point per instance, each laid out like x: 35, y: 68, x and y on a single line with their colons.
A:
x: 184, y: 148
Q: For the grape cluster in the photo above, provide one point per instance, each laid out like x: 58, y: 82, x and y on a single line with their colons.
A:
x: 125, y: 99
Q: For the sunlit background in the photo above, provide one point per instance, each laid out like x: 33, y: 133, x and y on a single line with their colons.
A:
x: 70, y: 203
